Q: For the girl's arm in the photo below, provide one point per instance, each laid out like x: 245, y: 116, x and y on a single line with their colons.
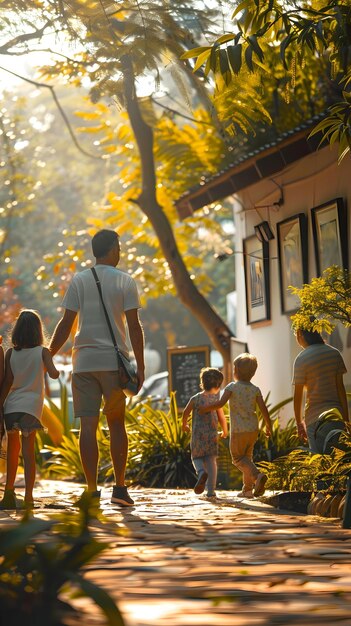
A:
x: 267, y: 420
x: 2, y: 363
x: 223, y: 422
x: 216, y: 405
x: 49, y: 364
x: 186, y: 413
x: 342, y: 397
x: 8, y: 378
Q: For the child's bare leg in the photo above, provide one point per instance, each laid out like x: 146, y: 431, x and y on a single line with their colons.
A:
x: 12, y: 456
x: 28, y: 453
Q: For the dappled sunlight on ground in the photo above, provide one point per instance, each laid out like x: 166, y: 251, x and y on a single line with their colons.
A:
x: 177, y: 559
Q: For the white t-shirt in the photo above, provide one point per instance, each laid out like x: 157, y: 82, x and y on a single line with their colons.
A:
x: 93, y: 348
x: 27, y: 390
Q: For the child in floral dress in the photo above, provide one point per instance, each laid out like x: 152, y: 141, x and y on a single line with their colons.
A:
x: 204, y: 431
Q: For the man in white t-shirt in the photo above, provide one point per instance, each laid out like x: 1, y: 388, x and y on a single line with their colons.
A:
x: 95, y: 375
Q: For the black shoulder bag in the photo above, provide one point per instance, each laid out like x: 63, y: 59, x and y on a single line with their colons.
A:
x: 127, y: 375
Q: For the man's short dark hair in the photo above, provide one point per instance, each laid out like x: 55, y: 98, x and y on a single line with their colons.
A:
x: 311, y: 336
x: 102, y: 242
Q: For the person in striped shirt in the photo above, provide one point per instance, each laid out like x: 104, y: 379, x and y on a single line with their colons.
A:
x: 318, y: 370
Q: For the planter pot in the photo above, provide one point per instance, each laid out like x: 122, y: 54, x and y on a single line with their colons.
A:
x: 341, y: 507
x: 296, y: 501
x: 325, y: 506
x: 313, y: 504
x: 334, y: 505
x: 319, y: 506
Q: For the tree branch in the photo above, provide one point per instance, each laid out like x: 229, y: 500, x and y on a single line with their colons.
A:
x: 37, y: 34
x: 59, y: 107
x: 186, y: 117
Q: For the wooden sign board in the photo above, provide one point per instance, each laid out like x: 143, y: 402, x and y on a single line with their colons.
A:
x: 184, y: 366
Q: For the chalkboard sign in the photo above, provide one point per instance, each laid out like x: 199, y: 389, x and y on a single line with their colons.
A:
x: 184, y: 366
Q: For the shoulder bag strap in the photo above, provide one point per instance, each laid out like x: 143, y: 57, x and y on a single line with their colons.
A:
x: 98, y: 284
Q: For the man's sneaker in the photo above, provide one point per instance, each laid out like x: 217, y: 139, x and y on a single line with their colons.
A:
x: 259, y: 487
x: 8, y: 502
x: 245, y: 494
x: 88, y: 500
x: 201, y: 482
x: 121, y: 496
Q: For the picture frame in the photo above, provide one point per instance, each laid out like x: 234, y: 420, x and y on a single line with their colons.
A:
x: 292, y: 236
x: 256, y: 266
x: 329, y: 226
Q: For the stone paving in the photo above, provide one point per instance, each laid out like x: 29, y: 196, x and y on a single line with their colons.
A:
x: 176, y: 559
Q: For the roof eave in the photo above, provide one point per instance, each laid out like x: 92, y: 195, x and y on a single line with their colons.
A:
x: 265, y: 162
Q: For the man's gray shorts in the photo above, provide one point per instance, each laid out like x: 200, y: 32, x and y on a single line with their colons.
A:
x: 88, y: 390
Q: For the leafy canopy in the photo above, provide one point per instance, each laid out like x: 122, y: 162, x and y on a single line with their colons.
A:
x: 269, y: 34
x: 327, y: 299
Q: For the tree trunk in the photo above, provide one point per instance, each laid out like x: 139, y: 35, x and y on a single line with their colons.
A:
x: 213, y: 324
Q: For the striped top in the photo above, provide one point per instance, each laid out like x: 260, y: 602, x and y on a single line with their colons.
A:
x: 316, y: 367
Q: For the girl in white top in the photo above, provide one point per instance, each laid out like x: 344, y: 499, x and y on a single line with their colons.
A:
x: 22, y: 399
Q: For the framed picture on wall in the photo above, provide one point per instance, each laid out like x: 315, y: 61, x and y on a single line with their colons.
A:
x: 256, y: 265
x: 329, y: 224
x: 293, y: 259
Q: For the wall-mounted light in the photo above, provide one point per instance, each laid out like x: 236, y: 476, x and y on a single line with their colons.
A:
x: 263, y: 232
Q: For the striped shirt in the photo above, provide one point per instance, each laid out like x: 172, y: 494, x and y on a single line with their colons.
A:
x: 317, y: 367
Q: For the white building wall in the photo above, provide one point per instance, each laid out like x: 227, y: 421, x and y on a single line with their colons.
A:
x: 312, y: 181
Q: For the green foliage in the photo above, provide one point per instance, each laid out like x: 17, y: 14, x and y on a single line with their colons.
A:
x: 297, y: 471
x: 61, y: 412
x: 64, y: 462
x: 38, y: 575
x: 301, y: 471
x: 336, y: 127
x: 282, y: 439
x: 270, y: 35
x: 159, y: 452
x: 327, y: 298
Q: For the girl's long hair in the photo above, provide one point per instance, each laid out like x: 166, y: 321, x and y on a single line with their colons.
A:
x: 27, y: 331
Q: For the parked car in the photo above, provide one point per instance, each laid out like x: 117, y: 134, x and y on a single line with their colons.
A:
x: 155, y: 385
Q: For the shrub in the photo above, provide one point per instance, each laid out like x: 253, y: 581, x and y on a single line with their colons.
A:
x: 159, y: 451
x: 64, y: 461
x: 302, y: 471
x: 37, y: 572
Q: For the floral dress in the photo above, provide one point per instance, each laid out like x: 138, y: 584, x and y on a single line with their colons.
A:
x: 204, y: 432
